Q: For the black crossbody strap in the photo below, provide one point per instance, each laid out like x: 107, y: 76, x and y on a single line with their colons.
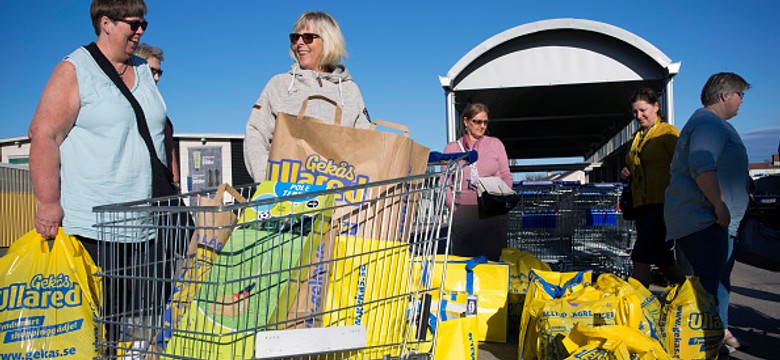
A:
x: 162, y: 176
x: 140, y: 118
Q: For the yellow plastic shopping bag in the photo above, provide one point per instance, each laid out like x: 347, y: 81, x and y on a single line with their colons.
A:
x: 456, y: 338
x: 546, y: 285
x: 48, y: 299
x: 632, y: 298
x: 612, y: 342
x: 489, y: 282
x: 366, y: 287
x: 520, y: 265
x: 689, y: 326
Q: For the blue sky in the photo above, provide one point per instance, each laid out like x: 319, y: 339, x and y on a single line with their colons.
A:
x: 219, y: 55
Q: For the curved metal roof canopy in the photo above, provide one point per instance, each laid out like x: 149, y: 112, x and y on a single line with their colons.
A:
x: 558, y: 88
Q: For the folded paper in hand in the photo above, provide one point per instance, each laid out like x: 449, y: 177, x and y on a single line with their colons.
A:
x: 494, y: 186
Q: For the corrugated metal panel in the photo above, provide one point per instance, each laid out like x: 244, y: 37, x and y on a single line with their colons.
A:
x: 17, y: 203
x: 240, y: 173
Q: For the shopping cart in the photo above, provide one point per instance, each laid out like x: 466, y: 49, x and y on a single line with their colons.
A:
x: 573, y: 227
x: 542, y: 222
x: 295, y: 272
x: 602, y: 239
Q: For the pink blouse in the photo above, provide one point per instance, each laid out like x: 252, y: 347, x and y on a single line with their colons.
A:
x: 492, y: 161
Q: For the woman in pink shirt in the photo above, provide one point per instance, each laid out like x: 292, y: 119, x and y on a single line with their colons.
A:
x: 472, y: 236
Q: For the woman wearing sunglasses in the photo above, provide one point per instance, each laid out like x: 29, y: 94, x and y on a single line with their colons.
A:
x: 85, y: 148
x: 472, y: 235
x: 318, y: 47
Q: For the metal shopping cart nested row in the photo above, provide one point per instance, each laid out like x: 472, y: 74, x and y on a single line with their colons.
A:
x: 573, y: 227
x: 323, y: 274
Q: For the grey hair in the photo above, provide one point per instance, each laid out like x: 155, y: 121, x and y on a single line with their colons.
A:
x: 722, y: 83
x: 145, y: 51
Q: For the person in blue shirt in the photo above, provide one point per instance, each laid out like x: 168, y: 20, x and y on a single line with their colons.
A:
x: 708, y: 191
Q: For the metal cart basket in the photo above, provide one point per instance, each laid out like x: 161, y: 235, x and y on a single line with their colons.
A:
x: 275, y: 270
x: 573, y: 227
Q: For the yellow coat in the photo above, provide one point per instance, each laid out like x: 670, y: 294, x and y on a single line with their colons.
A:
x: 649, y: 160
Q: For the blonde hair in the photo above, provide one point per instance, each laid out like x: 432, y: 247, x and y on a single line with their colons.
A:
x: 334, y: 48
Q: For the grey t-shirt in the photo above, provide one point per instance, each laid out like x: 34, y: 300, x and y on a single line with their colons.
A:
x: 706, y: 143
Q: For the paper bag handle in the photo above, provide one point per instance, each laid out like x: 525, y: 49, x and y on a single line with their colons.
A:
x: 391, y: 125
x: 223, y: 188
x: 336, y: 120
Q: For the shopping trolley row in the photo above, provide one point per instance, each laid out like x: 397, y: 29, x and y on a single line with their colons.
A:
x: 573, y: 226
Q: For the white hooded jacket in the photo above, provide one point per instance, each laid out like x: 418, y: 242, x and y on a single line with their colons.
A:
x: 285, y: 93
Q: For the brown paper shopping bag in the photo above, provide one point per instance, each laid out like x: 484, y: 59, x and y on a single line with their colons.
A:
x: 311, y: 151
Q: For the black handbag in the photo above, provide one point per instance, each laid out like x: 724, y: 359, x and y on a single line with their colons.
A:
x: 162, y: 177
x: 758, y: 244
x: 627, y: 203
x: 494, y: 205
x: 492, y: 201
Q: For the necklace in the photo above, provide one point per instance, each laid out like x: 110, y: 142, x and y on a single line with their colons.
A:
x: 124, y: 69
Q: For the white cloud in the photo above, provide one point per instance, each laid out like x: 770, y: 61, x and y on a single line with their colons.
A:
x: 761, y: 143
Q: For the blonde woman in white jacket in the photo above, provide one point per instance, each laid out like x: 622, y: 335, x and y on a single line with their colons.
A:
x: 317, y: 46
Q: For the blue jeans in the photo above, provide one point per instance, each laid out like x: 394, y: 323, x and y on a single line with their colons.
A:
x: 711, y: 254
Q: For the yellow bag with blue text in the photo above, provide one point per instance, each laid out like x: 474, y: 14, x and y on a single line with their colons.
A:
x: 368, y: 284
x: 48, y: 299
x: 456, y: 338
x: 612, y: 342
x: 554, y: 318
x: 610, y: 301
x: 490, y: 284
x: 453, y: 320
x: 545, y: 285
x: 689, y: 326
x: 520, y: 265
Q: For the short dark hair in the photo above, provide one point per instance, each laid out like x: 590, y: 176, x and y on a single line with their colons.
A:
x: 722, y: 83
x: 115, y: 9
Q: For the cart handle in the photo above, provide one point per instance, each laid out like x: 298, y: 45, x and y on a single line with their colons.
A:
x: 470, y: 157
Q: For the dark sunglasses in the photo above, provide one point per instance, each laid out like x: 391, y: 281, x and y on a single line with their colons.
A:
x: 134, y: 24
x: 479, y: 121
x: 156, y: 71
x: 308, y: 38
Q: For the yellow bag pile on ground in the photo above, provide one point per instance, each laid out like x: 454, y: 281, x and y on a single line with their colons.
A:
x: 603, y: 311
x: 520, y: 265
x: 689, y: 325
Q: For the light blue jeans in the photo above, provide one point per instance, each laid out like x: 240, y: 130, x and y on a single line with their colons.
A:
x: 711, y: 254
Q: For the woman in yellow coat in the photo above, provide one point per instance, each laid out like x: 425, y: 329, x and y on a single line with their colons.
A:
x: 647, y: 166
